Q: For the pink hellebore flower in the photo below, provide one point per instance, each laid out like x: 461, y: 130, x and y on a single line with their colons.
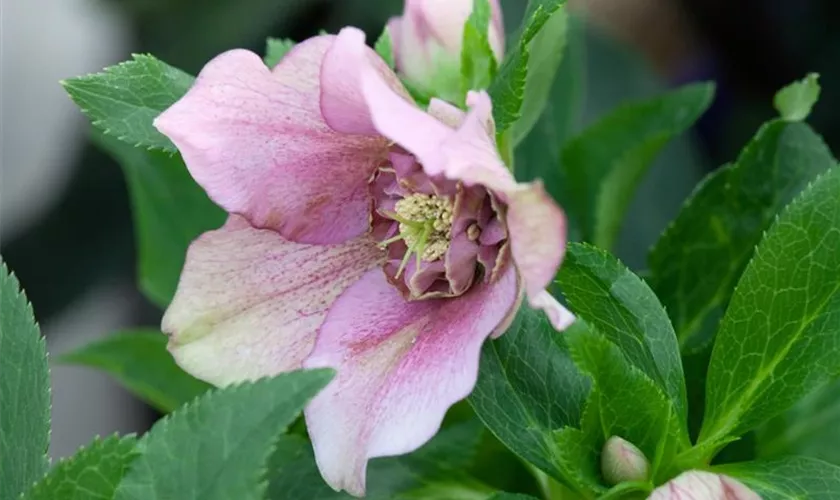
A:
x: 364, y: 235
x: 427, y: 43
x: 699, y: 485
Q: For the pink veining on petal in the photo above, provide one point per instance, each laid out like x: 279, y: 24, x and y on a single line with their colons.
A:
x: 249, y: 302
x: 342, y: 103
x: 256, y: 142
x: 400, y: 366
x: 701, y: 485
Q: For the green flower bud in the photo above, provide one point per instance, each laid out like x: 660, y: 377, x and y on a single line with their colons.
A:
x: 621, y: 461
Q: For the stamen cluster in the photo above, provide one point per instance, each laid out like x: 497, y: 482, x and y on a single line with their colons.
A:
x: 425, y: 222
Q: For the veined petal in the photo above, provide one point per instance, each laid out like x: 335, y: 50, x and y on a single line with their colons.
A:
x: 256, y: 142
x: 700, y: 485
x: 537, y: 229
x: 342, y: 103
x: 400, y: 366
x: 249, y: 302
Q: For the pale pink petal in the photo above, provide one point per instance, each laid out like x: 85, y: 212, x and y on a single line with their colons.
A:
x: 700, y: 485
x: 560, y: 317
x: 394, y: 28
x: 250, y: 302
x: 401, y: 121
x: 536, y: 225
x: 537, y: 228
x: 451, y: 115
x: 497, y: 39
x: 342, y: 103
x: 256, y: 142
x: 445, y: 19
x: 400, y: 366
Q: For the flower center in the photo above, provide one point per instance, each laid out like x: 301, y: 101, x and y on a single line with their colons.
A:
x: 440, y: 236
x: 425, y: 221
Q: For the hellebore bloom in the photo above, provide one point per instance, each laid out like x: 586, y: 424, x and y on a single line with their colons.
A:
x: 427, y: 42
x: 365, y: 234
x: 700, y: 485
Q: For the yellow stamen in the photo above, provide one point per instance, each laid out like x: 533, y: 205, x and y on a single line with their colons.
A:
x: 425, y: 222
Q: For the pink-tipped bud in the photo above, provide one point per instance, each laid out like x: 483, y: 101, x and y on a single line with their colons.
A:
x: 427, y: 43
x: 621, y: 461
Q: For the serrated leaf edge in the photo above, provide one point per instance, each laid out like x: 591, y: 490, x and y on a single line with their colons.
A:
x: 42, y: 342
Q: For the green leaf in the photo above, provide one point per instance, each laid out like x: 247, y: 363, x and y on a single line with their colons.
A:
x: 780, y: 335
x: 140, y: 361
x: 620, y: 305
x: 508, y: 88
x: 170, y: 210
x: 385, y: 48
x: 628, y: 403
x: 123, y: 100
x: 699, y: 258
x: 436, y: 470
x: 627, y: 491
x: 788, y: 478
x: 276, y: 49
x: 809, y: 428
x: 605, y: 163
x: 545, y: 55
x: 527, y: 388
x: 511, y: 496
x: 217, y: 446
x: 795, y: 101
x: 538, y: 155
x: 93, y: 473
x: 24, y: 391
x: 478, y: 63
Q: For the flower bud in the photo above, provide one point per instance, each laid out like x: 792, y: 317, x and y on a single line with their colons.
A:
x: 427, y: 43
x: 621, y: 461
x: 699, y: 485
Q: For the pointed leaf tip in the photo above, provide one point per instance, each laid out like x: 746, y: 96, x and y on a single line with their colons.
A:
x: 795, y: 101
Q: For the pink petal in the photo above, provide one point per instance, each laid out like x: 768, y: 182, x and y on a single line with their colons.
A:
x: 537, y: 228
x: 250, y: 302
x: 451, y: 115
x: 700, y: 485
x: 400, y: 366
x: 401, y: 121
x: 342, y: 103
x: 256, y: 142
x: 394, y: 28
x: 560, y: 317
x: 444, y: 20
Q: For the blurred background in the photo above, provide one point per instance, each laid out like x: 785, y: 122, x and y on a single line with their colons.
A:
x: 65, y: 220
